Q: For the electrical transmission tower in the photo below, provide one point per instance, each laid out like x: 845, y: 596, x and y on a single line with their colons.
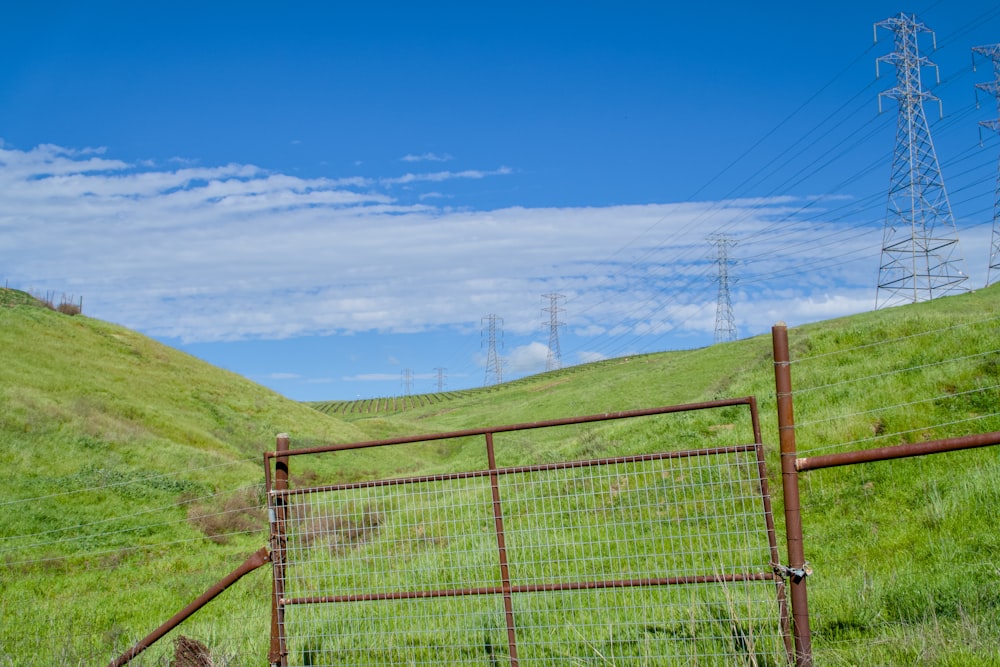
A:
x: 407, y: 380
x: 440, y: 378
x: 725, y: 323
x: 494, y: 366
x: 920, y: 255
x: 993, y: 88
x: 554, y: 359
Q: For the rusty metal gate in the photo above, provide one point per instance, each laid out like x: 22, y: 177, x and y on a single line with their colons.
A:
x: 661, y: 556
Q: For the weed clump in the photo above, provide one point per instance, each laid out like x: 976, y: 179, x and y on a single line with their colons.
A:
x: 191, y: 653
x: 219, y: 520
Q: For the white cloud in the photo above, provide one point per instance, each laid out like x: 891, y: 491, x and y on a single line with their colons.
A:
x: 527, y: 359
x: 588, y: 357
x: 426, y: 157
x: 438, y: 176
x: 235, y: 251
x: 371, y: 377
x: 432, y: 195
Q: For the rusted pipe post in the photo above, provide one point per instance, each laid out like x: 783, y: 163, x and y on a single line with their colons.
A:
x: 249, y: 565
x: 790, y: 490
x: 278, y: 654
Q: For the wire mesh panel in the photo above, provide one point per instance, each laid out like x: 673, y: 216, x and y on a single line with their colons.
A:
x: 637, y: 559
x: 661, y: 559
x: 647, y: 559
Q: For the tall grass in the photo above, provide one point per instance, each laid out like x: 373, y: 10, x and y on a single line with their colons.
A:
x: 125, y: 458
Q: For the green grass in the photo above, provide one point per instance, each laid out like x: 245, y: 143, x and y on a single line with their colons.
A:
x: 126, y: 461
x: 135, y: 473
x: 588, y: 524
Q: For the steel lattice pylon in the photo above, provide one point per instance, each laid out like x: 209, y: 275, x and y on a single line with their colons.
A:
x: 553, y: 360
x: 920, y: 254
x: 993, y: 88
x: 494, y: 364
x: 725, y: 322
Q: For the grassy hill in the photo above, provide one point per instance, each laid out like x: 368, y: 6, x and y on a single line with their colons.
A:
x: 891, y: 543
x: 117, y: 447
x: 137, y: 474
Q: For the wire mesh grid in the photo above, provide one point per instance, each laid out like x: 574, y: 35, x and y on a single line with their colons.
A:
x: 653, y: 559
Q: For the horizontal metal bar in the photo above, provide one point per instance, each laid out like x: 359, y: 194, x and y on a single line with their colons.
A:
x: 534, y: 588
x: 607, y: 416
x: 897, y: 451
x: 564, y: 465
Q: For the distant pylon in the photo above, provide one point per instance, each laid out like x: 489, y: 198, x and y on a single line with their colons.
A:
x: 725, y: 323
x: 993, y: 88
x: 407, y: 380
x: 494, y: 366
x: 554, y: 359
x: 920, y: 254
x: 440, y: 378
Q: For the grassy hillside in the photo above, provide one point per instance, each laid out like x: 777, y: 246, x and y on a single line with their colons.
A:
x: 137, y: 474
x: 891, y: 543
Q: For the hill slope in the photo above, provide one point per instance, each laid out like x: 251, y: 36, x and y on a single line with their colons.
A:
x: 118, y: 446
x: 75, y: 374
x: 888, y: 541
x: 138, y: 474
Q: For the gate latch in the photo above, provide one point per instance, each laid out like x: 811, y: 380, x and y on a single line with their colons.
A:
x: 796, y: 574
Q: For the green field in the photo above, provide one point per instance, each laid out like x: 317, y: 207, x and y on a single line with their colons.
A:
x: 136, y: 476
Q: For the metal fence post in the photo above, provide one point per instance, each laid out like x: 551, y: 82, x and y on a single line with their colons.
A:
x: 790, y: 490
x: 278, y: 655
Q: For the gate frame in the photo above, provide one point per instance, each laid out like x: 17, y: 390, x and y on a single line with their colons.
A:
x: 277, y: 490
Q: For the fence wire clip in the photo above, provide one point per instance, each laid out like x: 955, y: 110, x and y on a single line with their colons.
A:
x: 796, y: 574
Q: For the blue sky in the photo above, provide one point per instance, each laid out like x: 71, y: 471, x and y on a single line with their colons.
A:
x: 330, y: 197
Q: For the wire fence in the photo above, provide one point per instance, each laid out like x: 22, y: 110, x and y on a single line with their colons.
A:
x: 124, y: 548
x: 653, y: 558
x: 921, y: 384
x: 929, y: 518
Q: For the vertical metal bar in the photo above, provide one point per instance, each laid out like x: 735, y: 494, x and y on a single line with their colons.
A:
x: 508, y: 603
x: 790, y: 489
x: 772, y: 536
x: 278, y: 655
x: 772, y: 541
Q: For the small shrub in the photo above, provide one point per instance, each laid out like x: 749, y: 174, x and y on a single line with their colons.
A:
x: 67, y: 308
x: 239, y: 513
x: 191, y: 653
x: 343, y: 531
